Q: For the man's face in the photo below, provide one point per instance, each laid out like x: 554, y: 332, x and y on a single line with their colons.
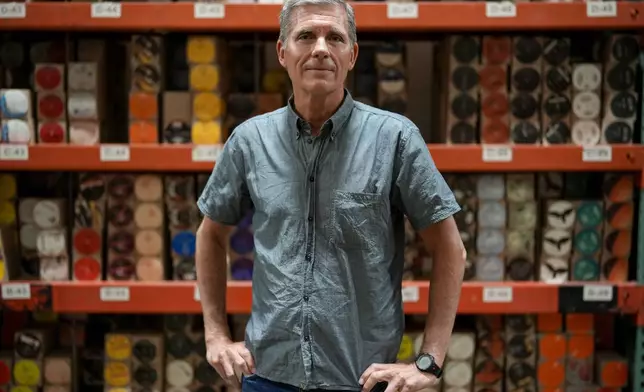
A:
x: 317, y: 53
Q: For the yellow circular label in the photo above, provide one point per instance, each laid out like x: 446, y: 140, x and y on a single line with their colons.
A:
x: 406, y: 350
x: 206, y: 132
x: 26, y: 372
x: 7, y: 186
x: 200, y: 50
x: 117, y: 374
x: 204, y: 77
x: 21, y: 388
x: 207, y: 106
x: 7, y: 213
x: 118, y: 347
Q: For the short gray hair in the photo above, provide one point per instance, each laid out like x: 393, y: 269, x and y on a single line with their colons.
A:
x: 290, y: 5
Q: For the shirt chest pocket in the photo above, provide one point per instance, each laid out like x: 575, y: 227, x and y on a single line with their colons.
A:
x: 358, y: 220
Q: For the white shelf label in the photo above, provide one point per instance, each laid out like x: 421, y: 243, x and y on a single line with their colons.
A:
x: 597, y: 154
x: 197, y: 295
x: 500, y: 9
x: 497, y: 154
x: 601, y: 9
x: 410, y: 294
x: 209, y: 11
x: 16, y: 291
x: 597, y: 293
x: 497, y: 294
x: 14, y: 152
x: 115, y: 153
x: 206, y: 153
x: 13, y: 11
x: 106, y: 10
x: 402, y: 10
x: 115, y: 294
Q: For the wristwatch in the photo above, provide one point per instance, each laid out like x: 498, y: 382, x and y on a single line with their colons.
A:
x: 427, y: 364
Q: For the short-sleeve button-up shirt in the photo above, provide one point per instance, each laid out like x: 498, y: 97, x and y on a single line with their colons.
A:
x: 328, y: 216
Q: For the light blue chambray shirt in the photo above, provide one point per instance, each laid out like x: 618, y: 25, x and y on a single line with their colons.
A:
x: 329, y: 236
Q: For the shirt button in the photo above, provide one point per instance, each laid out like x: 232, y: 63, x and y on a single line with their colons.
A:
x: 309, y: 141
x: 306, y: 338
x: 308, y: 258
x: 310, y: 219
x: 311, y: 178
x: 306, y: 297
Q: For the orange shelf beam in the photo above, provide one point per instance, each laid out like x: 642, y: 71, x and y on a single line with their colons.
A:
x: 182, y: 297
x: 370, y: 16
x: 159, y: 158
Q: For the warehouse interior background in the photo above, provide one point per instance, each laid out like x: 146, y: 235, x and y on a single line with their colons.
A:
x: 114, y: 113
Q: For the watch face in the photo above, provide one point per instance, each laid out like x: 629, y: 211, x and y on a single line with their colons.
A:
x: 424, y: 362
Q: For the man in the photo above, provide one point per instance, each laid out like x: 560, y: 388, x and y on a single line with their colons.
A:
x: 329, y: 181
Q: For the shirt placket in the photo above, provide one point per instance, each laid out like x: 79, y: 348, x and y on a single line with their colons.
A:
x: 317, y: 145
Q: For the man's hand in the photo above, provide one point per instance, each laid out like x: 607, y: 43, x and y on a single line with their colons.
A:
x: 401, y: 377
x: 230, y: 360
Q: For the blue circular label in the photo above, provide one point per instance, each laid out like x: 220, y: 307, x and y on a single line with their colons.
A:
x: 184, y: 244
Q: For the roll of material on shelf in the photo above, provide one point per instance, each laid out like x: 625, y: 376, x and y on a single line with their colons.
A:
x: 15, y: 131
x: 560, y: 214
x: 149, y: 269
x: 84, y: 133
x: 81, y: 106
x: 26, y: 372
x: 179, y: 373
x: 557, y: 243
x: 490, y: 242
x: 490, y: 268
x: 586, y: 77
x: 14, y: 103
x: 458, y: 374
x: 554, y: 270
x: 49, y: 76
x: 461, y: 347
x: 51, y: 106
x: 117, y: 374
x: 51, y: 132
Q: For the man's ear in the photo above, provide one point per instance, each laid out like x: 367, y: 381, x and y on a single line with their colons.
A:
x: 354, y: 56
x: 280, y: 53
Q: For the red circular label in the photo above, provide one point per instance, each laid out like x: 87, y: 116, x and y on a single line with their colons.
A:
x: 52, y: 132
x: 48, y: 77
x: 87, y: 241
x: 87, y: 268
x: 5, y: 373
x: 51, y: 106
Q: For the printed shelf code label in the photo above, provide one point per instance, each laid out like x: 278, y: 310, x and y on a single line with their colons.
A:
x: 500, y: 9
x: 16, y: 291
x: 197, y: 295
x: 410, y: 294
x: 206, y: 153
x: 597, y: 154
x: 497, y: 294
x: 209, y: 11
x: 115, y: 153
x: 601, y: 9
x: 402, y: 10
x: 14, y: 152
x: 106, y: 10
x: 115, y: 294
x: 13, y: 11
x: 597, y: 293
x: 497, y: 154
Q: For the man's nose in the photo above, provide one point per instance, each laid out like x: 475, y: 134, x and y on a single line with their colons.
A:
x: 321, y: 50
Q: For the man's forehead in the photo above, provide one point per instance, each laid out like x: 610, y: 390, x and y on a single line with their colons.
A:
x: 319, y: 15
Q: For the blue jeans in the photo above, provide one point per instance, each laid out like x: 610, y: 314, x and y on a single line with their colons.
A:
x: 254, y: 383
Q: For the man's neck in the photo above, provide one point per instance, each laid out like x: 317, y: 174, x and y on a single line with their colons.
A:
x: 316, y: 110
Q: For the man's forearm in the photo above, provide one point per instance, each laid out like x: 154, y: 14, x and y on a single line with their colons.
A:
x: 445, y: 290
x: 212, y: 277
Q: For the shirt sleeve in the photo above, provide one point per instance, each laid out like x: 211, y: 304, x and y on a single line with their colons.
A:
x: 420, y: 190
x: 225, y: 198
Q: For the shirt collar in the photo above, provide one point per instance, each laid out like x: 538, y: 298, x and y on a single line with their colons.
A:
x: 334, y: 124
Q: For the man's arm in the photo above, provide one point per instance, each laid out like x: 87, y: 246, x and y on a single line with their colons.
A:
x: 224, y: 202
x: 212, y: 277
x: 444, y: 242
